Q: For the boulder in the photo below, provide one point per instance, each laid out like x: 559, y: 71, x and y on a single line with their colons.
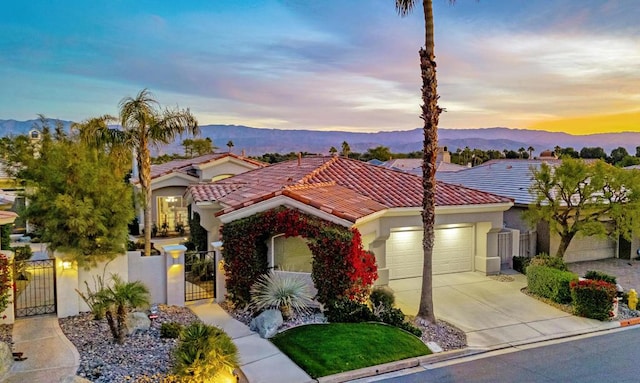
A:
x: 267, y: 323
x: 137, y: 321
x: 6, y: 359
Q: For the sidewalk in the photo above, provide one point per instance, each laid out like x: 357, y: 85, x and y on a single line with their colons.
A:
x: 51, y: 357
x: 260, y: 361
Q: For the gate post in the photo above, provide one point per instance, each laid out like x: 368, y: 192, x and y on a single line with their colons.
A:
x: 174, y: 261
x: 66, y: 281
x: 221, y: 288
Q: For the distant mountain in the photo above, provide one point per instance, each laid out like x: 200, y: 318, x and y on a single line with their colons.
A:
x: 256, y: 141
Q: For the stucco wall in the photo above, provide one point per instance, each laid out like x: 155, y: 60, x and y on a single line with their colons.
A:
x: 513, y: 219
x: 228, y: 167
x: 585, y: 248
x: 151, y: 272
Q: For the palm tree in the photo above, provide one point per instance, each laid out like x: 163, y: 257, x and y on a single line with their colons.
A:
x: 345, y: 149
x: 521, y: 152
x: 119, y: 298
x: 531, y: 149
x: 144, y: 124
x: 230, y: 145
x: 430, y: 115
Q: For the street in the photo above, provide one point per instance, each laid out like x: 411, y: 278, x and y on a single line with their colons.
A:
x: 611, y: 357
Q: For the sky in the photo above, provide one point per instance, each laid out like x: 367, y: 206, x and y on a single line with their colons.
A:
x: 352, y: 65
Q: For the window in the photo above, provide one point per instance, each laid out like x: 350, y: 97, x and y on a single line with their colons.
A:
x: 291, y: 254
x: 172, y: 214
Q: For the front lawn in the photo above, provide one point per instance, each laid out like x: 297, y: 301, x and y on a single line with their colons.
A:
x: 325, y: 349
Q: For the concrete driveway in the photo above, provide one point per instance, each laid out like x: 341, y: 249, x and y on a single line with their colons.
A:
x: 493, y: 312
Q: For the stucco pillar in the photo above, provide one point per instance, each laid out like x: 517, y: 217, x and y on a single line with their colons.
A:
x: 174, y: 261
x: 221, y: 285
x: 67, y: 298
x: 490, y: 263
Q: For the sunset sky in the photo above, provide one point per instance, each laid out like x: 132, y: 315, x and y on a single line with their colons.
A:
x: 557, y: 65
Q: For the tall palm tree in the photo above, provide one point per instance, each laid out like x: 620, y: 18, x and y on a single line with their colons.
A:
x: 145, y: 123
x: 531, y: 149
x: 430, y: 115
x: 230, y: 145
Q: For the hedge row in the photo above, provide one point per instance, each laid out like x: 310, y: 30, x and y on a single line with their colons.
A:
x: 593, y: 298
x: 550, y: 283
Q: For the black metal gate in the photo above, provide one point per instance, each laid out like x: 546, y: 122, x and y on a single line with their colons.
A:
x: 199, y: 275
x: 34, y: 287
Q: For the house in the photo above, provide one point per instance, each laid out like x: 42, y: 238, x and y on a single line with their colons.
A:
x: 384, y: 205
x: 170, y: 180
x: 512, y: 178
x: 414, y: 165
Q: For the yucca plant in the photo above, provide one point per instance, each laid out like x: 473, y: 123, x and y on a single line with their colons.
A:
x: 286, y: 292
x: 204, y: 353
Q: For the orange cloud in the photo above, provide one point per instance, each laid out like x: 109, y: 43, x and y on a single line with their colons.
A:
x: 609, y: 123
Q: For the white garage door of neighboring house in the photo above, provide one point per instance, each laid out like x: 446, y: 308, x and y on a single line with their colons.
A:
x: 452, y: 253
x: 590, y: 249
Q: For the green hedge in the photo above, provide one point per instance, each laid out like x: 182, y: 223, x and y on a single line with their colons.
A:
x: 520, y: 264
x: 593, y: 298
x: 600, y: 276
x: 550, y: 283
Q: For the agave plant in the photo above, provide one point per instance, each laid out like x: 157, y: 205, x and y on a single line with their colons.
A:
x: 286, y: 292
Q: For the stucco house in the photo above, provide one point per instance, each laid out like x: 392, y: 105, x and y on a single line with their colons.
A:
x: 170, y: 180
x: 384, y: 205
x: 512, y: 178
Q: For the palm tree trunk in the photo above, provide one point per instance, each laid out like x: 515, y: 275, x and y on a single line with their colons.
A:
x: 430, y: 115
x: 122, y: 326
x: 112, y: 325
x: 144, y: 163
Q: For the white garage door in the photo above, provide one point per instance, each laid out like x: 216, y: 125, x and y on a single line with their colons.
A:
x: 452, y: 253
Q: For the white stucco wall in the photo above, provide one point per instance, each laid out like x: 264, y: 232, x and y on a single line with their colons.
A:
x: 229, y: 166
x: 150, y: 271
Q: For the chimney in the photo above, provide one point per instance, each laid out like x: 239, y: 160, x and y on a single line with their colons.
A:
x: 299, y: 158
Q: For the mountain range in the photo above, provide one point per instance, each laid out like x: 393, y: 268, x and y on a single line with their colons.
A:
x: 257, y: 141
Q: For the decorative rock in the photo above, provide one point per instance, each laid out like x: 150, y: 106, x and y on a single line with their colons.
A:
x: 267, y: 323
x: 137, y: 321
x: 5, y: 358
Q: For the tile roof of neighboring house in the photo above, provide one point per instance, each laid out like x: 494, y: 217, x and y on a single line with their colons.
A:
x: 511, y: 178
x: 184, y: 165
x: 7, y: 217
x: 346, y: 188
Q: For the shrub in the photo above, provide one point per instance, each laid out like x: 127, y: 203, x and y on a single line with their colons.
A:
x: 593, y: 298
x: 520, y: 264
x: 382, y: 296
x: 544, y: 259
x: 600, y: 276
x: 170, y: 330
x: 204, y: 353
x: 5, y: 236
x: 285, y: 292
x: 550, y: 283
x: 347, y: 311
x: 22, y: 253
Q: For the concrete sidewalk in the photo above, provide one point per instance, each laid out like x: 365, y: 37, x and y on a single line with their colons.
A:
x: 493, y: 313
x: 260, y: 360
x: 43, y: 343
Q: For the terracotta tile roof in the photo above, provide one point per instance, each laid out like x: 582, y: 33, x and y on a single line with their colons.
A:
x: 347, y: 188
x: 184, y: 165
x: 7, y: 217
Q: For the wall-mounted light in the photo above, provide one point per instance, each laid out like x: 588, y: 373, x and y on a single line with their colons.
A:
x: 174, y: 255
x: 66, y: 265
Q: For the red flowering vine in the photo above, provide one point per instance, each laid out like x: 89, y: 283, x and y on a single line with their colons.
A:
x: 340, y: 267
x: 5, y: 283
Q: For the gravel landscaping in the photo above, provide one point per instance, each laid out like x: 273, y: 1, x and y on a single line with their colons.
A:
x: 6, y: 331
x: 142, y: 356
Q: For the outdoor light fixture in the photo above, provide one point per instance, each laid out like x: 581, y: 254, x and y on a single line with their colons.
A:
x: 66, y: 265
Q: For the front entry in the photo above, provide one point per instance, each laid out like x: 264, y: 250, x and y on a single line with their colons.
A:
x: 199, y: 275
x: 34, y: 287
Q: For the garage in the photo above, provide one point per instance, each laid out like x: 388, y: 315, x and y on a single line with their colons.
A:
x: 452, y: 252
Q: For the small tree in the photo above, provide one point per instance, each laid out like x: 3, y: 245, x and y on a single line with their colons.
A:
x: 117, y: 300
x: 586, y: 198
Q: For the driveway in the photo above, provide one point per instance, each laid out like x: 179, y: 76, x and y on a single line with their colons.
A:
x: 626, y: 271
x: 492, y: 311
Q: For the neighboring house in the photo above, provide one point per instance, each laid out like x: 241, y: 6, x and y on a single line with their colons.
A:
x: 384, y: 205
x: 170, y: 180
x: 512, y: 178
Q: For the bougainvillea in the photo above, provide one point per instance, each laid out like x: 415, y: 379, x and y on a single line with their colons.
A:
x: 340, y: 267
x: 5, y: 283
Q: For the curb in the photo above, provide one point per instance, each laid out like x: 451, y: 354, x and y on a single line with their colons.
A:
x: 629, y: 322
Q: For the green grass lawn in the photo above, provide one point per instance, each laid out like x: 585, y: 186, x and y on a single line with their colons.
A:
x: 325, y: 349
